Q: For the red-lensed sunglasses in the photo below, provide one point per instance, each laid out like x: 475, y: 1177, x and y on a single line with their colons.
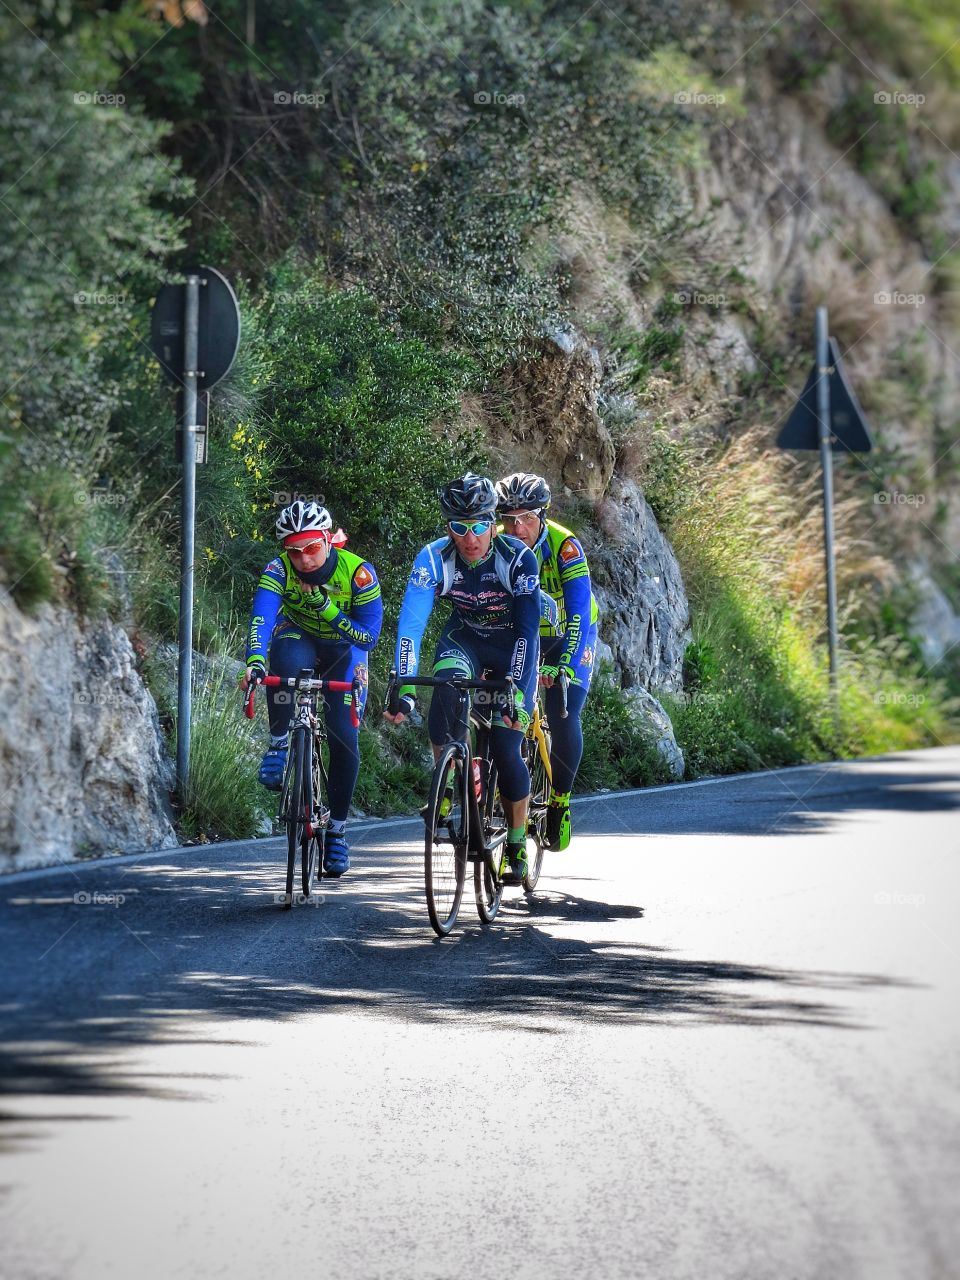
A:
x: 307, y: 549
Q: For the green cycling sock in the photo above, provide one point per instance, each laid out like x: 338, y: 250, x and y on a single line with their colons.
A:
x: 561, y: 798
x: 516, y: 835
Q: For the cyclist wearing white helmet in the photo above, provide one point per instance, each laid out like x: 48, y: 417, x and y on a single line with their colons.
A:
x: 569, y: 642
x: 491, y: 582
x: 316, y: 606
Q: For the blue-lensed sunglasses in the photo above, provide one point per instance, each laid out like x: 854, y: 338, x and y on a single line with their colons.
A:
x: 460, y: 527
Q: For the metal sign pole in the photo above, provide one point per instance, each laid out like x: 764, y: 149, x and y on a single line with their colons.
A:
x: 826, y: 461
x: 192, y: 322
x: 191, y: 329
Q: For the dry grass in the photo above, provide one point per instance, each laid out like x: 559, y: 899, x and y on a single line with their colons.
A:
x: 756, y: 513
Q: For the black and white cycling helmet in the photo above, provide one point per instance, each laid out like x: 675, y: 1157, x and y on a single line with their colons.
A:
x: 523, y: 491
x: 472, y: 497
x: 303, y: 517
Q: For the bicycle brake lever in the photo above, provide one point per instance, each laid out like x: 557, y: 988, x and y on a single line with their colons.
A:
x: 391, y: 701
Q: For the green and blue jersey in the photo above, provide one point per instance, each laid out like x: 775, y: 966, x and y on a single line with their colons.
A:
x: 348, y: 611
x: 565, y: 577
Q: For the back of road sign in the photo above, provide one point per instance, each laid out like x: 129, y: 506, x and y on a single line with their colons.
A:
x: 218, y: 335
x: 848, y: 426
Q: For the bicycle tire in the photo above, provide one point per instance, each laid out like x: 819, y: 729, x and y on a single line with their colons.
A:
x: 292, y: 808
x: 310, y: 843
x: 445, y: 840
x: 536, y: 826
x: 487, y: 885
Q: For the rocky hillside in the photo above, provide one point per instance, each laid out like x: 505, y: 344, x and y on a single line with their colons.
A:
x: 592, y: 248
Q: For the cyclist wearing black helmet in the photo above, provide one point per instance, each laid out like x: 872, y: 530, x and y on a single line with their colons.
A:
x: 492, y: 583
x: 316, y: 606
x: 570, y: 642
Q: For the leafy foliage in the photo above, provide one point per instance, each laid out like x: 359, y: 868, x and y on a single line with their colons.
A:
x: 361, y: 416
x: 617, y: 752
x: 85, y: 225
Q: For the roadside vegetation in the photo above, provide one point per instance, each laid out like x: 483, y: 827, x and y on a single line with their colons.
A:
x: 389, y: 199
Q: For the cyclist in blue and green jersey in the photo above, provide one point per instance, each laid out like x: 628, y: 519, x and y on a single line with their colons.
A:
x: 492, y: 583
x: 317, y: 606
x: 569, y: 643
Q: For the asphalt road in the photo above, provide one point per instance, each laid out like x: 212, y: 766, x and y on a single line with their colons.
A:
x: 721, y: 1040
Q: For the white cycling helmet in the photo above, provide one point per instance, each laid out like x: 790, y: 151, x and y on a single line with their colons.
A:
x: 523, y: 491
x: 303, y: 517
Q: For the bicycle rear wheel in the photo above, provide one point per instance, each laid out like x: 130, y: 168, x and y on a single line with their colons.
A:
x: 445, y: 839
x: 312, y: 800
x: 537, y: 818
x: 487, y: 885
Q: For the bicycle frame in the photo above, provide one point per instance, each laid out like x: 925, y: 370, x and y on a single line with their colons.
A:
x: 477, y: 845
x: 301, y: 806
x: 536, y: 735
x: 305, y: 717
x: 537, y: 729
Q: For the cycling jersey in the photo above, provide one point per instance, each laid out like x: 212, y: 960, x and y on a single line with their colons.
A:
x: 564, y: 576
x: 349, y: 608
x: 498, y: 599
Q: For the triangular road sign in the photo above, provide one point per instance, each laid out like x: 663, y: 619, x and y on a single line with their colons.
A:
x: 848, y: 426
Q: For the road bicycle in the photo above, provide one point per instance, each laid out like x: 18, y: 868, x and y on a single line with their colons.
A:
x: 302, y: 809
x: 463, y: 817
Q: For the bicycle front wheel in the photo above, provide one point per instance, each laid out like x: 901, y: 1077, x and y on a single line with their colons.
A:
x: 487, y: 885
x: 292, y: 807
x: 445, y: 839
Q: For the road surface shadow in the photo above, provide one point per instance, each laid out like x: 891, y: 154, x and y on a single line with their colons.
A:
x: 192, y: 946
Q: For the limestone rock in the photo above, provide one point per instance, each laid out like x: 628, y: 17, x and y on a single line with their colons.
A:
x: 658, y: 727
x: 557, y: 429
x: 645, y: 616
x: 935, y: 625
x: 83, y: 768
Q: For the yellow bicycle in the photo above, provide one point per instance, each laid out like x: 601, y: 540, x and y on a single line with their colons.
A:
x: 536, y: 754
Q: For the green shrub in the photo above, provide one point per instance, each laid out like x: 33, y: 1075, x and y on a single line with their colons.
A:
x: 223, y: 799
x: 879, y: 136
x: 468, y: 130
x: 617, y: 749
x: 394, y: 773
x: 664, y: 475
x: 757, y: 690
x: 361, y: 416
x: 83, y: 236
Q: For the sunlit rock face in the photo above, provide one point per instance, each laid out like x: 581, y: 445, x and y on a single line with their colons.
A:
x: 83, y: 768
x: 556, y: 430
x: 555, y: 420
x: 639, y: 588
